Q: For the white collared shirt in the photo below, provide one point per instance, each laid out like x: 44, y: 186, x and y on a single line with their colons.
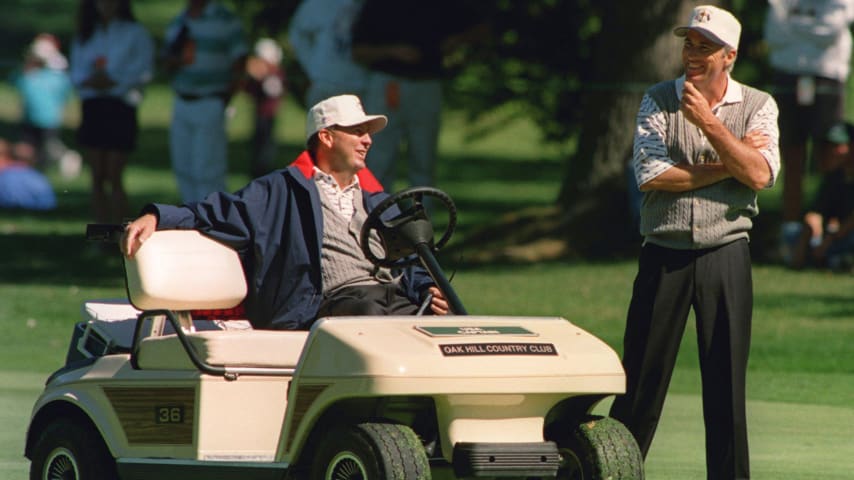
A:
x: 341, y: 199
x: 124, y: 49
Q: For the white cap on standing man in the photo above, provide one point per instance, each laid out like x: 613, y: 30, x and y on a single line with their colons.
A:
x: 716, y: 24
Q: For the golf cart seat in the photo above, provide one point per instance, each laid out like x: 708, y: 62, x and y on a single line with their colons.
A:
x: 224, y: 348
x: 178, y: 271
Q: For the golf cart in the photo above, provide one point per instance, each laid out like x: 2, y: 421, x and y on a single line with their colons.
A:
x: 152, y: 390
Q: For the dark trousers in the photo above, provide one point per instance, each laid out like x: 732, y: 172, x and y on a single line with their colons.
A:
x: 717, y: 284
x: 263, y: 146
x: 382, y: 299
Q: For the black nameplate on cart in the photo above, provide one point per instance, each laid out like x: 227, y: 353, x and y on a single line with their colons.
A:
x: 468, y: 349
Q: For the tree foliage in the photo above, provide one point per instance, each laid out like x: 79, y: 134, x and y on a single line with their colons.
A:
x: 578, y: 69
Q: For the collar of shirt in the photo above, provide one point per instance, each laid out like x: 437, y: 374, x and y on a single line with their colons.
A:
x: 341, y: 199
x: 732, y: 95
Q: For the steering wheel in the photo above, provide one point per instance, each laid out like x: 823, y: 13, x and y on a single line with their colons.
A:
x: 401, y: 234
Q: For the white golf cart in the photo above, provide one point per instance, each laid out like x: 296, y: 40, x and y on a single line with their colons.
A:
x: 151, y: 392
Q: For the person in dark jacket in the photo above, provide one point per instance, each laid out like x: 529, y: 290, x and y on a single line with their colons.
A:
x: 297, y: 229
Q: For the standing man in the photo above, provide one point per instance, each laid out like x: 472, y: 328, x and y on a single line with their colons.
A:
x: 404, y: 46
x: 809, y: 48
x: 265, y: 84
x: 206, y: 50
x: 704, y: 145
x: 321, y: 36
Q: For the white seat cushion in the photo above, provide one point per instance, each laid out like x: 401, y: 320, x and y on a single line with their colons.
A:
x: 229, y: 348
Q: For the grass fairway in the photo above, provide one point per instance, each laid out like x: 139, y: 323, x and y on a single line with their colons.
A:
x: 800, y: 384
x: 17, y: 395
x: 788, y: 440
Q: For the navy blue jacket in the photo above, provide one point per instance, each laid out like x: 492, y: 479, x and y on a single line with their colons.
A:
x: 276, y: 225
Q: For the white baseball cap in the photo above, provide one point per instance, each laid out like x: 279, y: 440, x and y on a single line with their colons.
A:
x: 714, y: 23
x: 343, y: 110
x: 269, y: 50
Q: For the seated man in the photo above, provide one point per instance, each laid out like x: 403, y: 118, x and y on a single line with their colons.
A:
x: 297, y: 229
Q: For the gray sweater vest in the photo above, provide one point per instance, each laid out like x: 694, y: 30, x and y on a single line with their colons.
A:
x: 342, y: 262
x: 710, y: 216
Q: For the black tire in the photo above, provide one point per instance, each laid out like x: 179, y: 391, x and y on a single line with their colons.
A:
x: 371, y: 451
x: 71, y: 450
x: 599, y: 448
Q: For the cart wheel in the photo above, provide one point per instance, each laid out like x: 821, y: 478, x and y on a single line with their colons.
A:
x: 371, y: 451
x: 599, y: 448
x: 71, y: 450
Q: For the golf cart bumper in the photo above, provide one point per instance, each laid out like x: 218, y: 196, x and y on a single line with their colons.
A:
x: 538, y: 459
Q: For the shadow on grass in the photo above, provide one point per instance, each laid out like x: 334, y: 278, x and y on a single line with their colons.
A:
x: 832, y: 307
x: 57, y: 259
x: 480, y: 167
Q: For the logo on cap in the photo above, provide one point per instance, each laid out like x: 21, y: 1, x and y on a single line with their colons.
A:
x: 703, y: 16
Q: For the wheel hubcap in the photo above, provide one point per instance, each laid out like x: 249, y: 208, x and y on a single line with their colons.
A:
x: 570, y: 466
x: 61, y: 465
x: 346, y: 466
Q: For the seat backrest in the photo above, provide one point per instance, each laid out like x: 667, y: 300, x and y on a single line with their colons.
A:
x: 184, y: 270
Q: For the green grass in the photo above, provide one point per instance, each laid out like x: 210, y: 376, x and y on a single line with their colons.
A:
x: 801, y: 371
x: 788, y: 440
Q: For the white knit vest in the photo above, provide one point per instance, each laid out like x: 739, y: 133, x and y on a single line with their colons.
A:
x: 342, y: 263
x: 710, y: 216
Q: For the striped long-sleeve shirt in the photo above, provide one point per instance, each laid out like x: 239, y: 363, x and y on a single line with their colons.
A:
x: 216, y: 40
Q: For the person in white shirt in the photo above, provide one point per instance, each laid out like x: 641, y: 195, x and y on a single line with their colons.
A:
x: 809, y: 49
x: 112, y: 58
x: 320, y: 34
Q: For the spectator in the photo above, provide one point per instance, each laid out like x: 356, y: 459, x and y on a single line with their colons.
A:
x: 22, y: 186
x: 265, y: 83
x: 321, y: 36
x: 704, y: 144
x: 809, y: 44
x: 44, y: 89
x: 206, y: 52
x: 827, y: 232
x: 297, y: 229
x: 111, y: 60
x: 403, y: 45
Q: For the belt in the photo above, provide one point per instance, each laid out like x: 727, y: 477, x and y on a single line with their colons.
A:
x: 188, y: 97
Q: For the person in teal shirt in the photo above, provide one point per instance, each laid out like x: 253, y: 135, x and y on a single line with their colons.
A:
x: 44, y: 89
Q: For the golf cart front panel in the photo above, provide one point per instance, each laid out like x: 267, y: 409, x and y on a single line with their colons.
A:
x: 512, y: 371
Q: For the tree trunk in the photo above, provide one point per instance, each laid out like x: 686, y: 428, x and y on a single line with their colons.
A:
x: 636, y: 49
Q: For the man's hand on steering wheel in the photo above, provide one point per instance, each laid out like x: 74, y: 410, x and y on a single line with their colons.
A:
x: 438, y: 304
x: 408, y: 238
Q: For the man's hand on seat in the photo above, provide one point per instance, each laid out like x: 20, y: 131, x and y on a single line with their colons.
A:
x: 439, y: 304
x: 136, y: 233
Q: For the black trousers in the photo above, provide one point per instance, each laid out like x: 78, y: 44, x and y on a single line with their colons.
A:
x: 381, y: 299
x: 717, y: 284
